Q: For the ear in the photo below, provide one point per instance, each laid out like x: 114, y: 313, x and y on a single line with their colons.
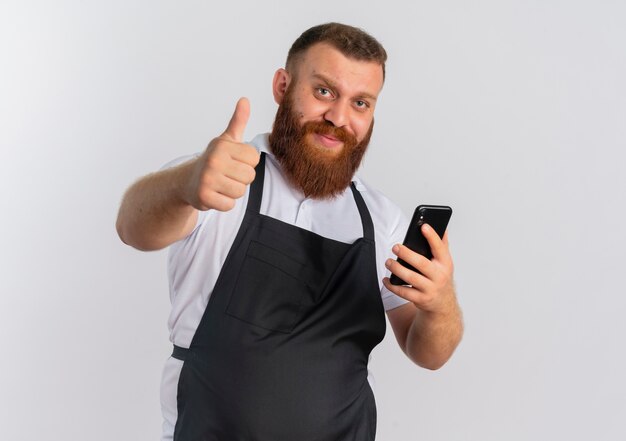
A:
x: 279, y: 84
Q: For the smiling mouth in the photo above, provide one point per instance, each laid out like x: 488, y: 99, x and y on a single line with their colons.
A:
x: 327, y: 141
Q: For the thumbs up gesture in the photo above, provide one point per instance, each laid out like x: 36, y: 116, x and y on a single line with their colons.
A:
x: 222, y: 173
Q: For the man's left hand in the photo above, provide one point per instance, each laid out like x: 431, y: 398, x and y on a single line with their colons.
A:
x: 432, y: 290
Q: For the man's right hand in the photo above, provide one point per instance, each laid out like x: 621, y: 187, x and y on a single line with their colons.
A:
x: 222, y: 173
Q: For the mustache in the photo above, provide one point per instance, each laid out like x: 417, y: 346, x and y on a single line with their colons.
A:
x: 328, y: 129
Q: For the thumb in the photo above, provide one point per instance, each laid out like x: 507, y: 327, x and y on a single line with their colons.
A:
x: 239, y: 120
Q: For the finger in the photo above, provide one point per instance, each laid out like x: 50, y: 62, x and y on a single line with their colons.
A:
x: 406, y: 292
x: 245, y: 153
x: 414, y: 259
x: 448, y: 262
x: 220, y: 202
x: 240, y: 172
x: 238, y: 122
x: 230, y: 188
x: 211, y: 199
x: 411, y: 277
x: 437, y: 246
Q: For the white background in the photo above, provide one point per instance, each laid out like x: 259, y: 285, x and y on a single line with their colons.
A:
x: 512, y: 112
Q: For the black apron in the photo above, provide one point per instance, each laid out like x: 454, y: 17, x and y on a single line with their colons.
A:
x: 282, y: 349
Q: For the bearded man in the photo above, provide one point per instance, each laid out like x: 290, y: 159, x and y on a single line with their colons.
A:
x: 277, y: 261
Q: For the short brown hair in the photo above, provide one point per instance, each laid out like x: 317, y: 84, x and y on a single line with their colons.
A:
x: 350, y: 41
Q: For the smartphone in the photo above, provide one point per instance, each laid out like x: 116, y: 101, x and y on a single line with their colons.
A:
x: 437, y: 216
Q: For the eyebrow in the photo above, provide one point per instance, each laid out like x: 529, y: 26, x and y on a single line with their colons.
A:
x: 333, y: 85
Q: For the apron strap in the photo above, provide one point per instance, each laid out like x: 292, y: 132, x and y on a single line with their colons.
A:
x: 366, y: 219
x: 180, y: 353
x: 256, y: 188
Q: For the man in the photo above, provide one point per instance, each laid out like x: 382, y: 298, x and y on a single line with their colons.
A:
x: 276, y: 261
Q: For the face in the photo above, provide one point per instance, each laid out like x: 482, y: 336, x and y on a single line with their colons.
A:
x: 328, y: 86
x: 325, y: 119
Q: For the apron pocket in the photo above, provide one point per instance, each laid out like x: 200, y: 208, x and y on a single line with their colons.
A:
x: 269, y: 291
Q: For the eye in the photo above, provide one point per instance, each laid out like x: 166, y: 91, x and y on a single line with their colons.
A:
x: 323, y: 91
x: 361, y: 104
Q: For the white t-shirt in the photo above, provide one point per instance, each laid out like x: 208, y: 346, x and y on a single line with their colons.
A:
x: 195, y: 262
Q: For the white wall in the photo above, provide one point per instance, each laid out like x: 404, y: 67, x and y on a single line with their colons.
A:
x: 513, y: 112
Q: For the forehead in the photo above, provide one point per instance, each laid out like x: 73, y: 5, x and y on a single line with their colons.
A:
x: 354, y: 76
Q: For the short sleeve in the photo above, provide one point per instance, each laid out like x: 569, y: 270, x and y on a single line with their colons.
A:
x: 179, y: 160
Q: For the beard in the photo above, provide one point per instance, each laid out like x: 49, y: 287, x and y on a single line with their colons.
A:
x: 319, y: 172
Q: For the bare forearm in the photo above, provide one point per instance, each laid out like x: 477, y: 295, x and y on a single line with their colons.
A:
x: 153, y: 213
x: 433, y: 337
x: 430, y: 330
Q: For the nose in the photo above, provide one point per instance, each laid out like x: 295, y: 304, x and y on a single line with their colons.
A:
x: 337, y: 114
